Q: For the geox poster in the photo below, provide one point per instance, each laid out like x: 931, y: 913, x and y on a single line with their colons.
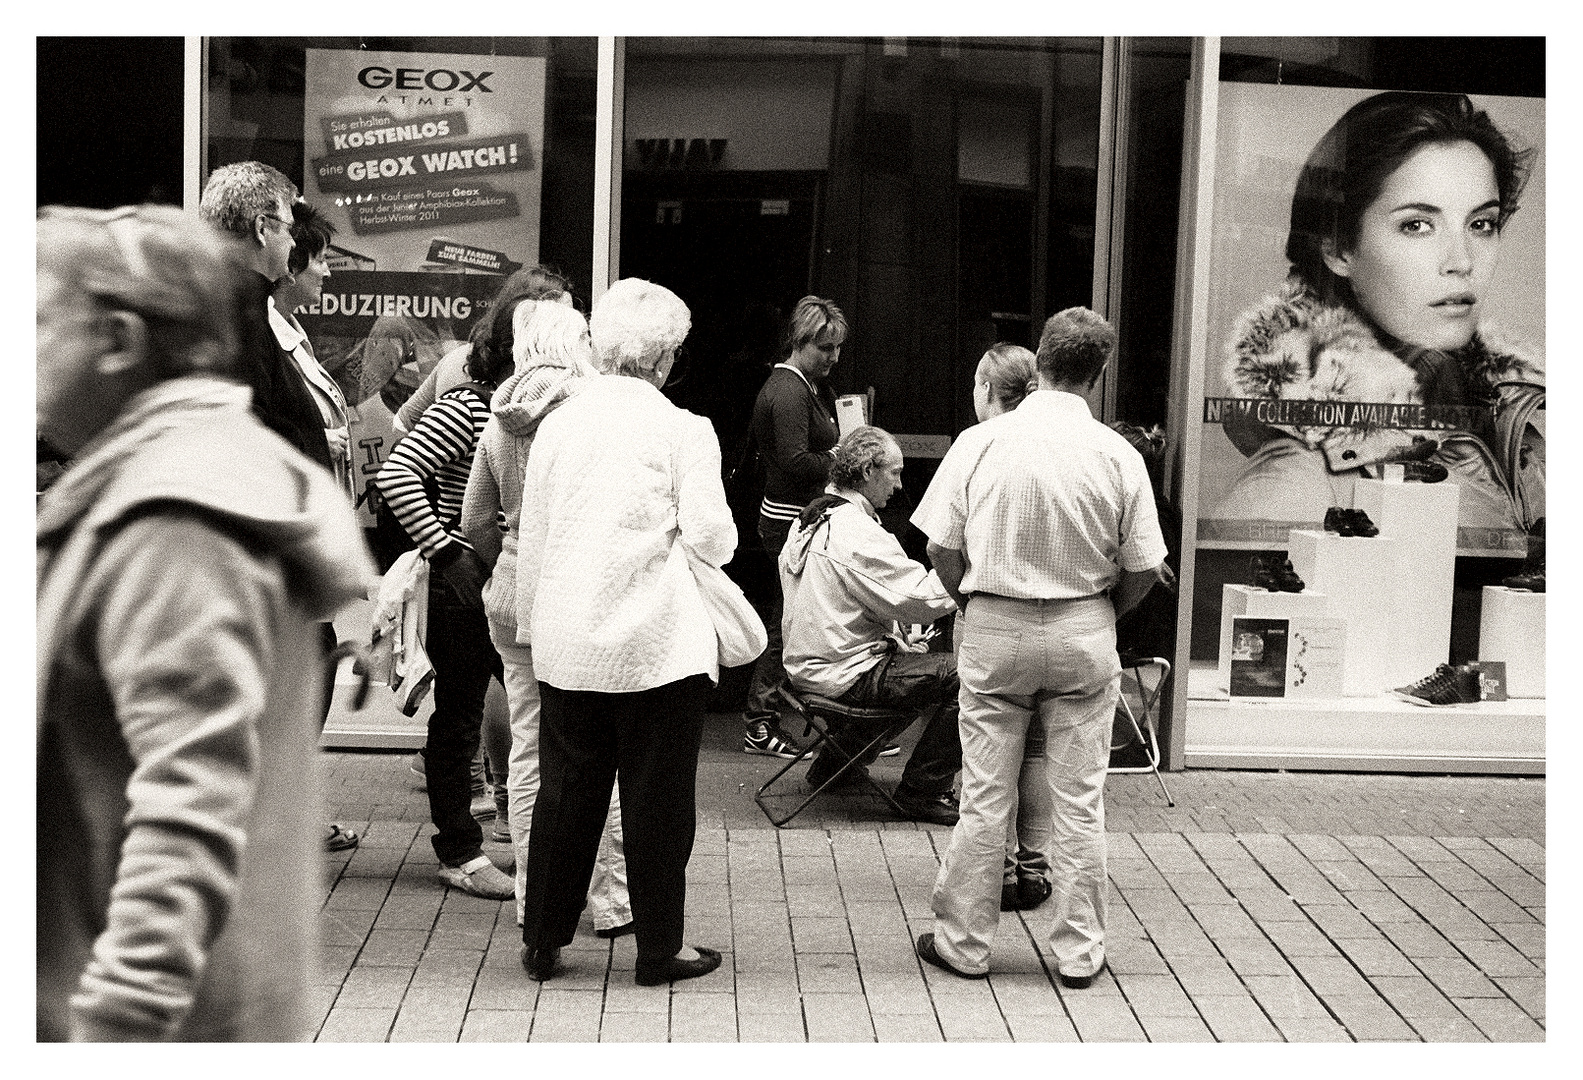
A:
x: 429, y: 166
x: 1377, y: 300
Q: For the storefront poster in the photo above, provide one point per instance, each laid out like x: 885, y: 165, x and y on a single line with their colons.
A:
x: 429, y: 165
x: 1298, y: 402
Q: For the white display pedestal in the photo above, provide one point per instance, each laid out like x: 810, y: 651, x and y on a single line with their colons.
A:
x: 1512, y: 630
x: 1422, y: 519
x: 1355, y: 574
x: 1246, y: 601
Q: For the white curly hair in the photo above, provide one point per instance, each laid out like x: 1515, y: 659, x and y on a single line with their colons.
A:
x: 634, y: 325
x: 547, y: 333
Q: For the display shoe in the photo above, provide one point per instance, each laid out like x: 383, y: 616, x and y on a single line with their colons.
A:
x: 1423, y: 472
x: 671, y: 969
x: 1359, y: 523
x: 1336, y: 521
x: 1525, y: 582
x: 1273, y: 573
x: 1447, y: 686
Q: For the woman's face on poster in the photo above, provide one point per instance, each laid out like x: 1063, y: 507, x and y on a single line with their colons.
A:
x: 1426, y: 247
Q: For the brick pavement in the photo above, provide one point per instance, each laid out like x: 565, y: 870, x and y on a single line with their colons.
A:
x: 1264, y: 907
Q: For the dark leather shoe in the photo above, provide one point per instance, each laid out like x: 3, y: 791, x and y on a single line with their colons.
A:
x: 930, y: 809
x: 1358, y: 521
x: 671, y: 969
x: 540, y: 964
x: 1525, y: 582
x: 1423, y: 472
x: 616, y: 931
x: 1079, y: 982
x: 1274, y: 574
x: 927, y: 953
x: 1026, y: 893
x: 1336, y: 521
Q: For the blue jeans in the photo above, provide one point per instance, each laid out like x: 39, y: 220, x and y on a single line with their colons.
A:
x: 769, y: 673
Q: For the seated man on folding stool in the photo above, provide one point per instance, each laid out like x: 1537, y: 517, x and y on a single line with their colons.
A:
x: 846, y: 582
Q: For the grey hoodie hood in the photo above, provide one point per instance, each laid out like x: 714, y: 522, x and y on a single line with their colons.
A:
x: 526, y: 398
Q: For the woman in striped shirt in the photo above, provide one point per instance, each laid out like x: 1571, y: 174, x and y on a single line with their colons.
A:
x: 441, y: 446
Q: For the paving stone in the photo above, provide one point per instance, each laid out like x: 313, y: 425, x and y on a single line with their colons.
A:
x: 1498, y: 1018
x: 1206, y: 976
x: 566, y: 1016
x: 770, y: 1027
x: 1254, y: 956
x: 357, y: 1025
x: 1155, y: 996
x: 1418, y: 939
x: 1299, y: 939
x: 344, y: 928
x: 1528, y: 993
x: 1102, y: 1018
x: 1223, y: 921
x: 703, y: 1018
x: 1025, y: 994
x: 1175, y: 1029
x: 837, y: 1017
x: 630, y: 1027
x: 1497, y: 959
x: 1376, y: 956
x: 509, y: 990
x: 497, y: 1025
x: 429, y: 1014
x: 1236, y: 1018
x: 1342, y: 921
x: 821, y: 934
x: 908, y: 1027
x: 970, y: 1019
x: 1370, y: 1018
x: 1135, y: 958
x: 1285, y: 996
x: 369, y: 987
x: 827, y: 973
x: 1442, y: 1029
x: 1349, y: 875
x: 1331, y: 976
x: 1457, y: 978
x: 1310, y: 1029
x: 334, y: 963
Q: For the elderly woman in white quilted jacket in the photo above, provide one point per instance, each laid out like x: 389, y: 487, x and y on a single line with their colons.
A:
x: 621, y: 487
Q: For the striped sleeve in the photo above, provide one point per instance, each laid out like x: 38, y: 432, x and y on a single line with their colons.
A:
x: 441, y: 444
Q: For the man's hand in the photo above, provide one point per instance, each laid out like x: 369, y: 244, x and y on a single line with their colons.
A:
x: 1134, y: 585
x: 340, y: 441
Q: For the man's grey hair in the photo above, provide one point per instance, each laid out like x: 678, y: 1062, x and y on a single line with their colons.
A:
x: 863, y: 447
x: 236, y: 194
x: 634, y: 325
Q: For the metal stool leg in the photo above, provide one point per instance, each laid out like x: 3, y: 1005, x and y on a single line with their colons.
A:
x: 1147, y: 700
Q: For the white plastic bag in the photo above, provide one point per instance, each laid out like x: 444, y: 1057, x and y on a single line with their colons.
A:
x: 737, y: 626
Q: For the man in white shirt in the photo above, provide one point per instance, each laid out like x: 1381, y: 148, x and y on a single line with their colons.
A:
x: 847, y: 583
x: 1041, y: 523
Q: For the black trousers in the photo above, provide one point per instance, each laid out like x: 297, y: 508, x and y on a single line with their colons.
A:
x: 464, y: 659
x: 587, y: 740
x: 923, y: 681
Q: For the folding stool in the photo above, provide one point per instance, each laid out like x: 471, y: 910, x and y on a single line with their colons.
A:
x: 818, y: 714
x: 1149, y: 696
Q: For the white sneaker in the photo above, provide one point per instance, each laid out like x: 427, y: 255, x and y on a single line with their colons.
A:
x: 479, y: 877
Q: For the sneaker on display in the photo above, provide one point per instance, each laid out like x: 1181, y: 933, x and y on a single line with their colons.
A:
x: 1446, y: 686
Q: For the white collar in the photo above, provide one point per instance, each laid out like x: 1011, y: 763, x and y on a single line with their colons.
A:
x: 286, y: 334
x: 857, y: 498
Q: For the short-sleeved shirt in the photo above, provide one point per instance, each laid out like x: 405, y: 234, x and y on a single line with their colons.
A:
x: 1045, y: 502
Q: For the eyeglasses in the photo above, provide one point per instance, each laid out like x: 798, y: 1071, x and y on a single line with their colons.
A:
x: 679, y: 367
x: 282, y: 220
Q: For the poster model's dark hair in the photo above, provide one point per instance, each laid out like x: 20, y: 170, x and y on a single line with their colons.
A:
x: 1352, y: 162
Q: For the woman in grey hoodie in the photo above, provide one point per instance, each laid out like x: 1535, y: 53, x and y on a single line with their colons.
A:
x: 553, y: 361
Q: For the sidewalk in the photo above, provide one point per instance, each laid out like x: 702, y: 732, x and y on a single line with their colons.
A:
x: 1264, y: 907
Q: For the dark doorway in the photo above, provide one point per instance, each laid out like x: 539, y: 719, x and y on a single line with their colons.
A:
x: 736, y: 247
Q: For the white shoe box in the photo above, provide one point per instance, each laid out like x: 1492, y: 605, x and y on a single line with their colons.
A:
x: 1355, y: 573
x: 1246, y: 601
x: 1512, y: 630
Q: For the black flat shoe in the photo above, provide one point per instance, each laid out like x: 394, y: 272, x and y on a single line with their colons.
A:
x: 540, y: 964
x: 616, y: 931
x: 671, y: 969
x: 927, y: 953
x: 1026, y: 893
